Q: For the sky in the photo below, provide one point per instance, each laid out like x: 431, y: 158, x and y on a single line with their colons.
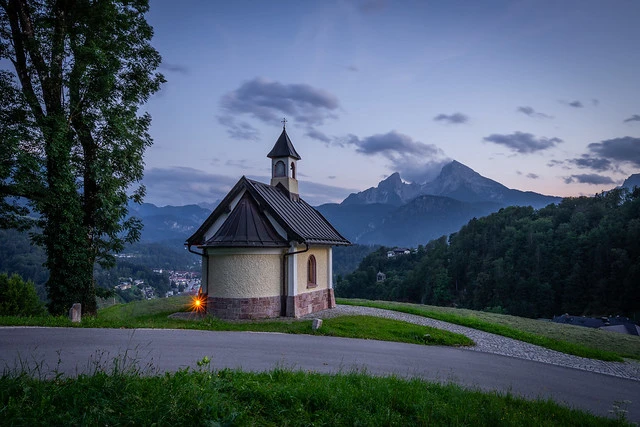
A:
x: 538, y: 95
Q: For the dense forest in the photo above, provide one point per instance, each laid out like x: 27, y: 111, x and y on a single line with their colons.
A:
x: 581, y: 256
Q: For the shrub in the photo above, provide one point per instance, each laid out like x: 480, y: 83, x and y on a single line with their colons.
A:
x: 19, y: 298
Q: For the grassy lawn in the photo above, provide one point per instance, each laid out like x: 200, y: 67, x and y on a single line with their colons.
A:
x: 576, y: 340
x: 276, y: 398
x: 154, y: 314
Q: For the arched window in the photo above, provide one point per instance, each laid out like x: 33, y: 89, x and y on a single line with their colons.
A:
x: 311, y: 272
x: 279, y: 168
x: 293, y: 170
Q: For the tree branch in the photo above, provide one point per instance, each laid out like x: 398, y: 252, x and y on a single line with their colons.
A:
x: 20, y: 62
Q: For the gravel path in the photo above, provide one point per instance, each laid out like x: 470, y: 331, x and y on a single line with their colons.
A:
x: 491, y: 343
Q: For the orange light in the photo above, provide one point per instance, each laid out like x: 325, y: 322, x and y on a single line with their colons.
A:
x: 198, y: 304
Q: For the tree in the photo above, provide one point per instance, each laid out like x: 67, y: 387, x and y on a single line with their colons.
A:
x: 71, y: 135
x: 18, y: 298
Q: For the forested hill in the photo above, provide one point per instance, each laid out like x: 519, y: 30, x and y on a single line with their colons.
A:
x: 581, y: 256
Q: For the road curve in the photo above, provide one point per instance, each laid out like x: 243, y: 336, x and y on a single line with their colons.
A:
x: 72, y: 351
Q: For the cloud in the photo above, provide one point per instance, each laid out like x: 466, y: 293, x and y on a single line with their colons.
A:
x: 175, y: 68
x: 593, y: 179
x: 353, y: 68
x: 183, y: 185
x: 238, y: 129
x: 595, y: 163
x: 179, y: 186
x: 416, y: 161
x: 269, y: 101
x: 622, y: 150
x: 529, y: 111
x: 523, y: 143
x: 554, y: 162
x: 595, y: 102
x: 316, y: 134
x: 574, y: 104
x: 455, y: 118
x: 533, y: 176
x: 634, y: 118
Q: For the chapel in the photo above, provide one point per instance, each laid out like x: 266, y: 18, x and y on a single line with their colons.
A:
x: 265, y: 251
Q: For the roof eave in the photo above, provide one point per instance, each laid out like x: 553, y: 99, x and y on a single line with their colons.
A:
x: 196, y: 238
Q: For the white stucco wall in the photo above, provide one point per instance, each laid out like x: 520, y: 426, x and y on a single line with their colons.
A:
x: 322, y: 259
x: 245, y: 273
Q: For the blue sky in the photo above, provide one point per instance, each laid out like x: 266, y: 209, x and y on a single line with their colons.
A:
x: 537, y: 95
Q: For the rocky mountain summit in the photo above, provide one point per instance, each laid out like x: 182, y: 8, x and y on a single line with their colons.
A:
x: 397, y: 213
x: 456, y: 181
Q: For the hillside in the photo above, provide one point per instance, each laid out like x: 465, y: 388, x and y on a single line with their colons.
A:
x: 581, y: 256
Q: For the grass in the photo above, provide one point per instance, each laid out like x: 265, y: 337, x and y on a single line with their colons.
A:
x: 154, y: 314
x: 575, y: 340
x: 279, y: 397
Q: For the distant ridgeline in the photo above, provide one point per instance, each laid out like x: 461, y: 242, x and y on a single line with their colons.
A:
x: 581, y: 256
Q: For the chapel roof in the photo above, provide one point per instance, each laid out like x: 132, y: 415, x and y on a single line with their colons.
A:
x: 283, y: 147
x: 300, y: 221
x: 246, y: 227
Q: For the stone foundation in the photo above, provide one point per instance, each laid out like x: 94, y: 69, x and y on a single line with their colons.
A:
x: 268, y: 307
x: 310, y: 302
x: 244, y: 308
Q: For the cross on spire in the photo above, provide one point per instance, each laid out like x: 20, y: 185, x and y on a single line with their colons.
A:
x: 284, y: 122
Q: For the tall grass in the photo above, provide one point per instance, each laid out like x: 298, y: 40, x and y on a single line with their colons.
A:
x: 275, y: 398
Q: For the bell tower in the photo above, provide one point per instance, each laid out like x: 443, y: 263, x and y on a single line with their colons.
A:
x: 284, y: 158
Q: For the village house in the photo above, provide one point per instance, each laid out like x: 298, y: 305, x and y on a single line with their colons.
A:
x: 266, y: 252
x: 398, y: 251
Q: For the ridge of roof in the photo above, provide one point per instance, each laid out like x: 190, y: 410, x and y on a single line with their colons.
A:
x: 283, y: 147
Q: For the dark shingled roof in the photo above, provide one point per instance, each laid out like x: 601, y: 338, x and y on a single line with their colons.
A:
x: 301, y: 222
x: 283, y: 147
x: 298, y: 216
x: 246, y: 227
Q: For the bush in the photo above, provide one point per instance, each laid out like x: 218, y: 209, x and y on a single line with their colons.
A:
x: 19, y: 298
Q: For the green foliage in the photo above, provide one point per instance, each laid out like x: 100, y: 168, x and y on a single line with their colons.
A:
x: 569, y: 339
x: 347, y: 258
x: 18, y: 298
x: 581, y: 256
x: 279, y: 397
x: 71, y: 134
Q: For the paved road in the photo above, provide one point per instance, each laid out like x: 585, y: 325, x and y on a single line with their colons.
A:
x: 496, y: 344
x: 72, y: 351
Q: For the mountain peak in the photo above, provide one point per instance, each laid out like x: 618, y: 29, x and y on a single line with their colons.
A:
x: 458, y: 169
x: 632, y: 181
x: 456, y: 181
x: 392, y: 181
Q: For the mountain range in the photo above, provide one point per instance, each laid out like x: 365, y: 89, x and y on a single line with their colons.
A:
x: 168, y: 224
x: 394, y: 213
